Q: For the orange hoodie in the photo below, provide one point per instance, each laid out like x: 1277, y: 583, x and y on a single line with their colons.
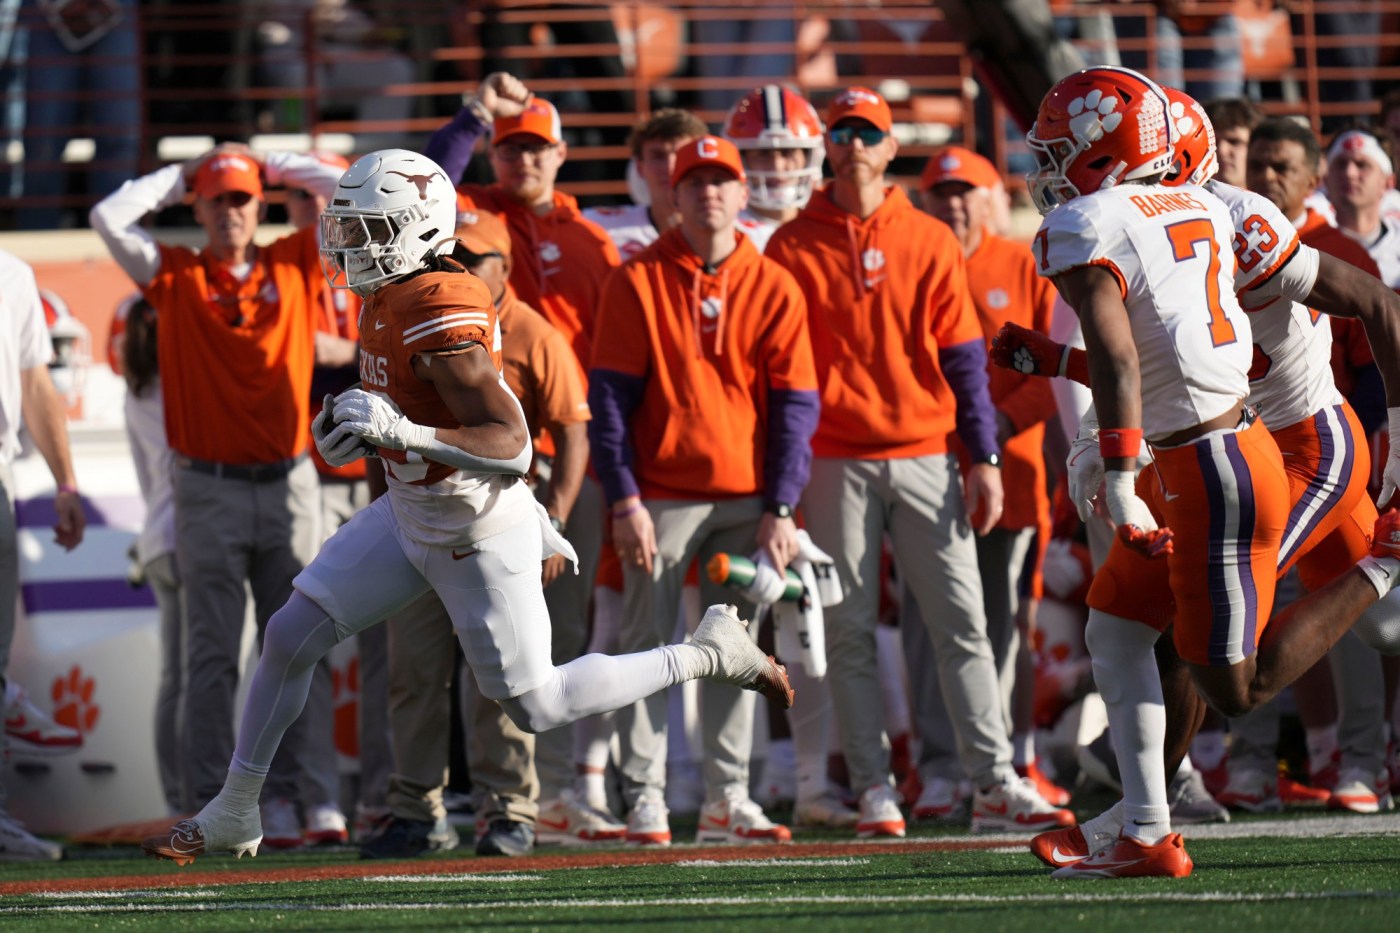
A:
x: 558, y: 261
x: 885, y: 296
x: 689, y: 365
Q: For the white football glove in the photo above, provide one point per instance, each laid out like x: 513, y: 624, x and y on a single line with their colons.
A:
x: 337, y: 445
x: 379, y: 421
x: 1391, y: 481
x: 1085, y: 466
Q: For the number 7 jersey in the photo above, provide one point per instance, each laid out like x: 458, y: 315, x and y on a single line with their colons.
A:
x: 1170, y: 250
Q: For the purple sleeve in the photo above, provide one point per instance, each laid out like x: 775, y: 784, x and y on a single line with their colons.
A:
x: 792, y: 420
x: 613, y: 396
x: 452, y: 145
x: 965, y: 367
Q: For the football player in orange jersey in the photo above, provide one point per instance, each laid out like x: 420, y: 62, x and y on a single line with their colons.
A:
x: 458, y: 519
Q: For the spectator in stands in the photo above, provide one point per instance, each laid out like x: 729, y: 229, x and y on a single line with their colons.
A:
x: 891, y: 318
x: 1198, y: 48
x: 1359, y: 174
x: 236, y: 351
x: 957, y: 186
x: 356, y: 65
x: 1350, y: 40
x: 1234, y: 118
x: 27, y: 392
x: 703, y: 399
x: 79, y: 69
x: 132, y: 354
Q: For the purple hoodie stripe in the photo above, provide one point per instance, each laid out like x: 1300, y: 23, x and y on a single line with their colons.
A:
x: 84, y: 595
x: 964, y: 368
x: 1322, y: 494
x: 452, y: 145
x: 613, y: 396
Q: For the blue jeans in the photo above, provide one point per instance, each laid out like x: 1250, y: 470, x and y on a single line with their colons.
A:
x: 54, y: 94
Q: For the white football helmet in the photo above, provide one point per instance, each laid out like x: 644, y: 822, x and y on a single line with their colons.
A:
x: 774, y: 117
x: 72, y: 347
x: 391, y: 210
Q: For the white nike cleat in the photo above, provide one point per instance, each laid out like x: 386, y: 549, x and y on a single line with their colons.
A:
x: 213, y: 829
x: 738, y: 660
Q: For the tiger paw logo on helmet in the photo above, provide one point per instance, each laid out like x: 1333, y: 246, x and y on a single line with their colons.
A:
x: 1184, y: 121
x: 1094, y: 115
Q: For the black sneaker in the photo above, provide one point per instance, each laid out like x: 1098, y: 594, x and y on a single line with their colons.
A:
x: 506, y: 837
x: 403, y: 838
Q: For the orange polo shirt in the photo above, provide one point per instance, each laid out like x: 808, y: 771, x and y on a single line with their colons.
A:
x: 710, y: 345
x: 884, y: 295
x: 236, y: 356
x: 541, y: 370
x: 558, y: 260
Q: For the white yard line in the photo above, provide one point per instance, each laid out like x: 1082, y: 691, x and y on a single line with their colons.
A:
x: 770, y: 862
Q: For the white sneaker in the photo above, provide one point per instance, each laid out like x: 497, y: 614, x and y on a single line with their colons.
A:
x: 1251, y: 789
x: 648, y: 823
x: 738, y: 660
x: 30, y: 730
x: 568, y: 821
x: 1360, y: 791
x: 280, y: 824
x: 825, y: 810
x: 1014, y: 806
x: 212, y: 829
x: 325, y: 826
x: 939, y: 800
x: 737, y: 820
x: 879, y: 813
x: 18, y: 844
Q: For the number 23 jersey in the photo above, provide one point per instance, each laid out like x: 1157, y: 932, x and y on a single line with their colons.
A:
x: 1170, y: 250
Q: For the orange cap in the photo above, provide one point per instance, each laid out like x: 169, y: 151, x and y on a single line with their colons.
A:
x: 482, y: 232
x: 228, y: 171
x: 863, y: 104
x: 539, y: 118
x: 707, y: 150
x: 954, y: 163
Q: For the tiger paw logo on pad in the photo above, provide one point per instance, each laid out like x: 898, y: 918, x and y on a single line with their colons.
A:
x: 1094, y: 115
x: 72, y: 701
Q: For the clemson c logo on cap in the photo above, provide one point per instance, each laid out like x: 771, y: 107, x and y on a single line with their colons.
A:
x: 707, y: 147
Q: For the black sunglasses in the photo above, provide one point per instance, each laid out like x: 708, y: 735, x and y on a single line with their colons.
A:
x: 868, y: 135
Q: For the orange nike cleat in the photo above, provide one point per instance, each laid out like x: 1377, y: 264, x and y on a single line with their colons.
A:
x: 1128, y: 858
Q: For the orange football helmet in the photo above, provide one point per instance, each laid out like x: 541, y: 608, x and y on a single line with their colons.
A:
x: 774, y: 117
x: 1195, y: 162
x: 1095, y: 129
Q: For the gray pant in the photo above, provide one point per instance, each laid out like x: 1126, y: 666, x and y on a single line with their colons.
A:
x: 1001, y: 558
x: 9, y: 582
x: 568, y: 598
x: 685, y: 530
x: 230, y: 534
x: 849, y: 505
x: 164, y: 579
x: 422, y: 656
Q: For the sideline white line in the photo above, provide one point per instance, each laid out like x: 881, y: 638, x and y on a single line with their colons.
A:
x: 155, y: 894
x: 568, y: 904
x: 485, y: 878
x: 772, y: 862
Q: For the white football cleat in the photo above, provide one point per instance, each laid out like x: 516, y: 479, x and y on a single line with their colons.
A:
x: 738, y: 660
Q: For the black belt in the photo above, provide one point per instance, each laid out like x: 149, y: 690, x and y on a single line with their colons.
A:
x: 251, y: 472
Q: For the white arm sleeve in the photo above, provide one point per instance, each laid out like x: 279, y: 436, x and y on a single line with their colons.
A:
x: 1294, y: 281
x: 292, y: 170
x: 117, y: 219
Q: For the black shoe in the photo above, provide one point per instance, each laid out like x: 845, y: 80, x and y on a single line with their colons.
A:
x: 403, y: 838
x: 506, y: 837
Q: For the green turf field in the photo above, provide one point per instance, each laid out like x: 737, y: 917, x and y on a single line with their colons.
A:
x: 1311, y: 873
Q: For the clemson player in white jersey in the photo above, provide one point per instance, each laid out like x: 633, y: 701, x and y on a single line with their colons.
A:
x: 780, y: 138
x: 458, y: 519
x: 1149, y: 270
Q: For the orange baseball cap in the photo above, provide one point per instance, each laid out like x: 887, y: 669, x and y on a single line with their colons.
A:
x: 863, y: 104
x: 954, y: 163
x: 482, y: 232
x: 707, y: 150
x: 228, y: 171
x: 539, y: 118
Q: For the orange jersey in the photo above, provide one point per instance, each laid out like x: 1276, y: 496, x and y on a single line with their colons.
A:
x: 710, y: 346
x: 558, y: 261
x: 1005, y: 287
x: 885, y: 295
x: 541, y: 370
x: 236, y: 356
x: 426, y: 313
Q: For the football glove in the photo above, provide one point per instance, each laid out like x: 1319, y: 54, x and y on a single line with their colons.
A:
x: 337, y: 445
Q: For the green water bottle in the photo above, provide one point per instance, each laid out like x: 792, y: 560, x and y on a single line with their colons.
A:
x: 739, y: 572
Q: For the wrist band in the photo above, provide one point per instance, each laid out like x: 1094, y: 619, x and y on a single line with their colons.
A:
x: 634, y: 507
x: 1120, y: 442
x: 1064, y: 360
x: 66, y: 487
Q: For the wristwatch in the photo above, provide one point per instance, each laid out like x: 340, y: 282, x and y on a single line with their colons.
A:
x: 780, y: 509
x: 556, y: 523
x: 991, y: 460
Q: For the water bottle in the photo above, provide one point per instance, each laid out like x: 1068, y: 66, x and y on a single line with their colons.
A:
x: 738, y: 572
